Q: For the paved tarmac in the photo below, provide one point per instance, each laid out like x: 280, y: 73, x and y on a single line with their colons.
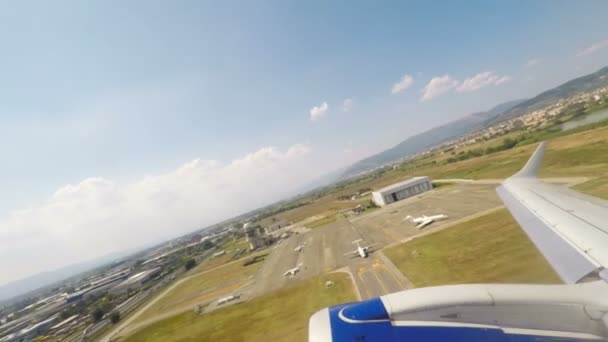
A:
x: 374, y: 279
x: 325, y: 251
x: 325, y: 246
x: 387, y: 225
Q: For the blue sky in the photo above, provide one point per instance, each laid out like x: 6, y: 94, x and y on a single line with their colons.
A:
x: 114, y: 95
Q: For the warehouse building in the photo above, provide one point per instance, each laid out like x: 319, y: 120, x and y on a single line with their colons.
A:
x: 276, y: 226
x: 256, y: 237
x: 136, y: 281
x: 397, y: 192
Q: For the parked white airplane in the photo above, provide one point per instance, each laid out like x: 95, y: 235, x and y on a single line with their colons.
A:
x: 362, y: 251
x: 423, y: 221
x: 228, y: 299
x: 292, y: 271
x: 299, y: 248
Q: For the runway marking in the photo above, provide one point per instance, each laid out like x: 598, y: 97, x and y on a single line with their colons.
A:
x: 381, y: 283
x: 396, y: 279
x: 393, y: 276
x: 367, y: 292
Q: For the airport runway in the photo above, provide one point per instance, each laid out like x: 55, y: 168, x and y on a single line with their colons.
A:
x: 373, y: 278
x: 323, y: 251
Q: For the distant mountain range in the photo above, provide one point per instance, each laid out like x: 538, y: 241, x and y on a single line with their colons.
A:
x: 470, y: 123
x: 22, y: 288
x: 430, y: 138
x: 585, y: 83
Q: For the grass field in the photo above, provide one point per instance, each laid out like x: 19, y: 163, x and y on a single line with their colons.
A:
x: 211, y: 263
x: 278, y: 316
x: 327, y: 204
x: 597, y: 187
x: 582, y: 154
x: 323, y: 221
x: 202, y: 287
x: 234, y: 244
x: 488, y: 249
x: 229, y: 256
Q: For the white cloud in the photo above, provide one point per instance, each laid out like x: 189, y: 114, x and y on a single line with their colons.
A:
x: 438, y: 86
x: 404, y: 83
x: 532, y: 62
x: 481, y: 80
x: 503, y: 79
x: 347, y: 105
x: 98, y: 216
x: 317, y: 112
x: 593, y: 48
x: 348, y: 149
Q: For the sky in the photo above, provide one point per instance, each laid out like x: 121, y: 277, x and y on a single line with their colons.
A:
x: 126, y: 123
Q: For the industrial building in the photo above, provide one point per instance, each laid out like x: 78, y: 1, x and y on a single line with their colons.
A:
x: 135, y: 281
x: 276, y: 226
x: 402, y: 190
x: 256, y: 237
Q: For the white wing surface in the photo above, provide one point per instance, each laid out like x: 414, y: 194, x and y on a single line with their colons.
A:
x: 570, y: 229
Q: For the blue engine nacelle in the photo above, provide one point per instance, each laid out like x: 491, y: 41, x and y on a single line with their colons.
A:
x: 505, y: 313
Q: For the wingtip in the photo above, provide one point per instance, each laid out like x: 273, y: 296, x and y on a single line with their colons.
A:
x: 530, y: 170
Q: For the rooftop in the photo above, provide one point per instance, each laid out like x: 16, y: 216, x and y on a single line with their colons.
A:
x: 136, y: 277
x: 401, y: 185
x: 64, y: 322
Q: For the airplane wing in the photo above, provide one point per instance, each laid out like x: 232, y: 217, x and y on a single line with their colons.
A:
x: 351, y: 253
x: 424, y: 223
x: 570, y: 229
x: 370, y: 246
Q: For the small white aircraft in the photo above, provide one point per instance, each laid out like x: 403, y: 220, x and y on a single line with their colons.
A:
x: 299, y: 248
x: 423, y: 221
x: 292, y: 271
x: 228, y: 299
x: 362, y: 251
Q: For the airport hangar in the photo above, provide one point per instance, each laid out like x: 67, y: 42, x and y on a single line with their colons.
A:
x: 402, y: 190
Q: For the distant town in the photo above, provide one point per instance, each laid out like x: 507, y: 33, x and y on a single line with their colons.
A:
x: 535, y: 119
x: 84, y: 306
